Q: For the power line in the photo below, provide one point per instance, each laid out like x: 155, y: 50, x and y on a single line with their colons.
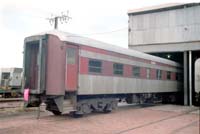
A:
x: 107, y: 32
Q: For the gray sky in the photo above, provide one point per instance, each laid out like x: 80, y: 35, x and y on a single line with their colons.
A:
x: 21, y: 18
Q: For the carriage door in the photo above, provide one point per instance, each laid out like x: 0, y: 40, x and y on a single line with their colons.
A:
x: 71, y: 74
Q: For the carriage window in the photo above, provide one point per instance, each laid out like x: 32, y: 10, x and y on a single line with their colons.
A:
x: 5, y: 75
x: 136, y: 71
x: 118, y: 69
x: 159, y: 74
x: 71, y: 55
x: 148, y: 74
x: 168, y: 75
x: 95, y: 66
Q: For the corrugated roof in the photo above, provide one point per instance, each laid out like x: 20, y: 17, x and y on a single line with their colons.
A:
x: 162, y: 7
x: 68, y: 37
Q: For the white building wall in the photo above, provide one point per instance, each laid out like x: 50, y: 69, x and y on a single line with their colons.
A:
x: 180, y: 25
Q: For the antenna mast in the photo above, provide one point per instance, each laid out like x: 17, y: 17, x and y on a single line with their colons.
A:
x: 63, y: 18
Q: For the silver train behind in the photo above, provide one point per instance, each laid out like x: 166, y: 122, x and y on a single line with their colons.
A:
x: 10, y: 82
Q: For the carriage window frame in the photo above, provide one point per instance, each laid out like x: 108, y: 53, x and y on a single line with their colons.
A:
x: 118, y: 69
x: 95, y: 66
x: 136, y: 71
x: 148, y: 73
x: 71, y: 56
x: 159, y: 74
x: 168, y: 75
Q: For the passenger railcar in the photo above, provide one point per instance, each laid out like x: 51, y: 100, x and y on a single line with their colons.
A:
x: 10, y: 82
x: 75, y: 74
x: 10, y: 78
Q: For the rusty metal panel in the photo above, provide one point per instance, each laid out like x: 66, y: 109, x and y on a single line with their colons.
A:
x: 55, y: 75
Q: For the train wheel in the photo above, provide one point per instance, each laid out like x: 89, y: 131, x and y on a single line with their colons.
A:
x: 107, y: 108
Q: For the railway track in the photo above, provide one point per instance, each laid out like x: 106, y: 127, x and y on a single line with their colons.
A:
x: 10, y: 99
x: 153, y: 122
x: 10, y: 103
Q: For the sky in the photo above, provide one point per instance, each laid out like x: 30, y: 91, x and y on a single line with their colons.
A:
x: 104, y: 20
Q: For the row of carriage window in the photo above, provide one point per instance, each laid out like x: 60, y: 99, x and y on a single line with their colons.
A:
x: 95, y: 66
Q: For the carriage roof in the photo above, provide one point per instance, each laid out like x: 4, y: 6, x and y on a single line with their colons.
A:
x: 80, y: 40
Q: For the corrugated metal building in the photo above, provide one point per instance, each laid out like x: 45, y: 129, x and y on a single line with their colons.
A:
x: 170, y: 31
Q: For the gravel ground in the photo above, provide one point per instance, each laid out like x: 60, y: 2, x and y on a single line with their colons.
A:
x: 128, y: 119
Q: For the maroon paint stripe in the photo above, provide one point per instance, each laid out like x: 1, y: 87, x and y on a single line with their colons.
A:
x: 107, y: 70
x: 101, y: 51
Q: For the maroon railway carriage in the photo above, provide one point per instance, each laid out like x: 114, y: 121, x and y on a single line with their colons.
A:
x: 76, y: 74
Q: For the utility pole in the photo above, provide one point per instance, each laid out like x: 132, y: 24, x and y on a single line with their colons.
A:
x: 63, y: 18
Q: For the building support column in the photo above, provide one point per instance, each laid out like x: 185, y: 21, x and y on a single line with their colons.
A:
x: 190, y: 78
x: 185, y: 81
